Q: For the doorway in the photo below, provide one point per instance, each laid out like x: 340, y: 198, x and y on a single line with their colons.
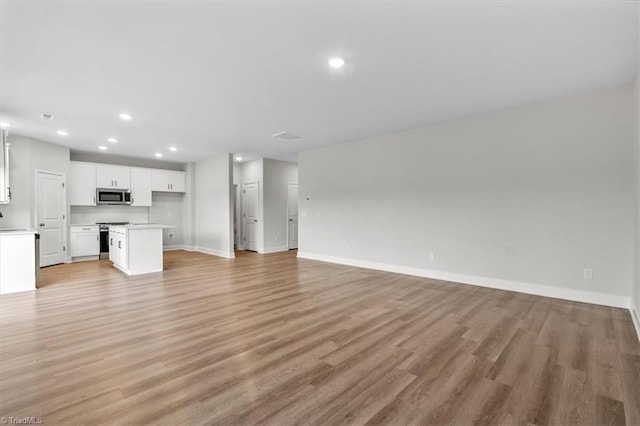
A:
x: 250, y: 203
x: 292, y: 215
x: 51, y: 217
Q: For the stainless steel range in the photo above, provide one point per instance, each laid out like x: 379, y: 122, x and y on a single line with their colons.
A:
x: 104, y: 237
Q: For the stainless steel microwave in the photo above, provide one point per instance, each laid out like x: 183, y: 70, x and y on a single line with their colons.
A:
x: 113, y: 196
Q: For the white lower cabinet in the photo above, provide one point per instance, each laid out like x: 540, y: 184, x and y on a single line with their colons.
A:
x: 85, y: 241
x: 118, y: 247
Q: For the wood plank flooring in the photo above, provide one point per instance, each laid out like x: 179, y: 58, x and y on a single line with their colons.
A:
x: 270, y: 339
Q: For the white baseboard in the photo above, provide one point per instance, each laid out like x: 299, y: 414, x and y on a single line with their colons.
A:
x: 83, y: 259
x: 174, y: 247
x: 268, y: 250
x: 497, y: 283
x: 205, y: 250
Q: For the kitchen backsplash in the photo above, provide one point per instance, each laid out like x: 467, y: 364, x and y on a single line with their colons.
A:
x: 90, y: 215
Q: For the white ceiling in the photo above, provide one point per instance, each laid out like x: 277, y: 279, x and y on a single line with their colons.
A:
x: 223, y: 77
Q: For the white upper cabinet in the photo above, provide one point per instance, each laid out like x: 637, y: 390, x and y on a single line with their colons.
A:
x: 116, y: 177
x: 177, y: 181
x: 168, y: 181
x: 140, y: 187
x: 82, y: 184
x: 85, y: 178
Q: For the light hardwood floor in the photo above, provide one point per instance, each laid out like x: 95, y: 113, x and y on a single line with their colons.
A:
x: 276, y: 340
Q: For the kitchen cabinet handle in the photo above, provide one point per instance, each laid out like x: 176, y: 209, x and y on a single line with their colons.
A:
x: 94, y: 199
x: 116, y: 183
x: 98, y: 237
x: 110, y: 241
x: 119, y: 246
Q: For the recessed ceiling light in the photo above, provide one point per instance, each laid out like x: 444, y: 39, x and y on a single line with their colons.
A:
x: 173, y: 149
x: 62, y: 132
x: 336, y: 62
x: 126, y: 117
x: 4, y: 125
x: 102, y: 148
x: 159, y: 154
x: 112, y: 140
x: 238, y: 158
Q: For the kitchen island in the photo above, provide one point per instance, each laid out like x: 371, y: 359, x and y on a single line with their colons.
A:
x: 136, y: 249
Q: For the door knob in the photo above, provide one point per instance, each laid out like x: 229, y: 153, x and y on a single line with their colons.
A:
x: 255, y: 220
x: 42, y: 224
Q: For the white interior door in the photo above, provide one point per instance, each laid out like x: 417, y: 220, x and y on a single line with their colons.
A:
x: 237, y: 213
x: 50, y: 216
x: 250, y: 215
x: 292, y: 212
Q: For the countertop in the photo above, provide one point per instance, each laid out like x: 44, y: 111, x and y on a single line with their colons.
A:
x: 143, y: 226
x: 17, y: 231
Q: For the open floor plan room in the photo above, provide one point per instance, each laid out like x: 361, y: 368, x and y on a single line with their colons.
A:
x: 320, y: 212
x: 275, y: 340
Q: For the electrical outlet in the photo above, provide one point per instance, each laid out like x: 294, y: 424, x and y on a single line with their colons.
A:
x: 588, y: 273
x: 432, y: 257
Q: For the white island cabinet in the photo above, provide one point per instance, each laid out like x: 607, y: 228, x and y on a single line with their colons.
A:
x: 136, y: 249
x: 17, y: 260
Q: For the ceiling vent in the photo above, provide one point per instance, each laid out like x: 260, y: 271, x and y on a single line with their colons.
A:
x: 46, y: 116
x: 287, y: 136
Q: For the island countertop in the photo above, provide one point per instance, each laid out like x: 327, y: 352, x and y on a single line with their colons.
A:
x: 133, y: 226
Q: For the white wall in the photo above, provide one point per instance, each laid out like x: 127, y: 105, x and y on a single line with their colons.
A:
x: 524, y: 198
x: 636, y: 294
x: 213, y: 232
x: 123, y: 160
x: 188, y: 206
x: 26, y: 155
x: 277, y: 176
x: 168, y: 209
